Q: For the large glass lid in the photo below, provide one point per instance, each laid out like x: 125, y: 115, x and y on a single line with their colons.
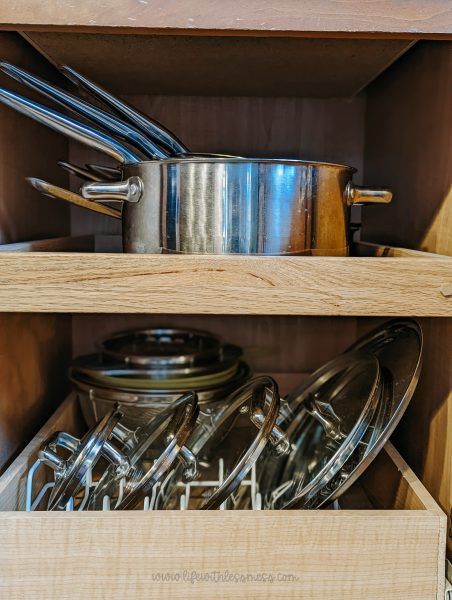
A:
x: 329, y: 414
x: 228, y: 445
x: 397, y: 345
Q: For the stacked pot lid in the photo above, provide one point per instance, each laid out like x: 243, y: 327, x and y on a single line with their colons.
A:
x: 144, y: 370
x: 341, y: 416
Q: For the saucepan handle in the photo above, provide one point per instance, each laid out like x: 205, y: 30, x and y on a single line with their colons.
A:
x: 48, y: 189
x: 129, y: 190
x: 355, y: 194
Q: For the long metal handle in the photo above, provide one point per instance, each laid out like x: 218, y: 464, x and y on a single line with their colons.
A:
x: 356, y: 194
x: 61, y: 194
x: 69, y: 127
x: 129, y: 190
x: 98, y: 116
x: 152, y: 129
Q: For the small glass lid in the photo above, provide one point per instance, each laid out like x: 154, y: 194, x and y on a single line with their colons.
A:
x: 330, y: 413
x: 84, y: 454
x: 150, y: 451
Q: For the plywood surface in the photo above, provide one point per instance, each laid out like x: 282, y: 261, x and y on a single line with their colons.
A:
x: 425, y: 434
x: 409, y: 140
x: 215, y: 65
x: 412, y: 18
x: 42, y: 555
x: 58, y: 282
x: 35, y: 351
x: 28, y: 149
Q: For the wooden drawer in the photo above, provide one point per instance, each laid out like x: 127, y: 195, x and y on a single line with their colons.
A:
x: 387, y: 542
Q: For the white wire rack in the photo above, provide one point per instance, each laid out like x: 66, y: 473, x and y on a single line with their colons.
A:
x: 158, y: 493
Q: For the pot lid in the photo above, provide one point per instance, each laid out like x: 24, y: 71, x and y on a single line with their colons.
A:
x: 150, y: 451
x: 85, y: 453
x: 330, y: 413
x: 397, y: 345
x: 163, y: 347
x: 234, y: 437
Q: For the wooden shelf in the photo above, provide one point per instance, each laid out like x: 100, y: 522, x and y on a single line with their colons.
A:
x: 414, y: 19
x: 118, y: 283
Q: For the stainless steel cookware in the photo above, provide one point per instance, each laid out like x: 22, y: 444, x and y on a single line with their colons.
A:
x: 165, y: 348
x: 97, y: 399
x: 70, y: 127
x: 106, y: 120
x: 158, y: 444
x: 84, y: 454
x: 104, y: 172
x: 151, y: 128
x: 239, y: 206
x: 53, y: 191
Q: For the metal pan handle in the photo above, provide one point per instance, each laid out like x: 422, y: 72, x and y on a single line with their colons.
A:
x: 69, y: 127
x: 106, y: 120
x: 61, y: 194
x: 151, y: 128
x: 129, y: 190
x: 356, y: 194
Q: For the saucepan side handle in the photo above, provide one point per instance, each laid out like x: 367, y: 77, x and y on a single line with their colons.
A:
x: 355, y: 194
x: 129, y: 190
x: 48, y: 189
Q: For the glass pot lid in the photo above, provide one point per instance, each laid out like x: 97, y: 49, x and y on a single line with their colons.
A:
x: 397, y: 345
x: 330, y: 413
x: 163, y: 347
x: 357, y: 462
x: 150, y: 452
x: 83, y: 456
x: 234, y: 437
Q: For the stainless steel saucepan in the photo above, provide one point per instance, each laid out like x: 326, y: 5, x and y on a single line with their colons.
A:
x: 239, y: 206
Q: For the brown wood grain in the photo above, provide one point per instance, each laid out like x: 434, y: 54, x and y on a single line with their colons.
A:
x: 28, y: 149
x: 409, y: 141
x: 277, y: 66
x: 35, y: 351
x: 124, y: 552
x: 287, y: 344
x: 409, y: 111
x: 165, y: 284
x: 415, y: 18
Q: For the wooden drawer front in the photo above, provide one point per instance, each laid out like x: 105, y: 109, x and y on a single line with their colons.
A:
x: 393, y: 551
